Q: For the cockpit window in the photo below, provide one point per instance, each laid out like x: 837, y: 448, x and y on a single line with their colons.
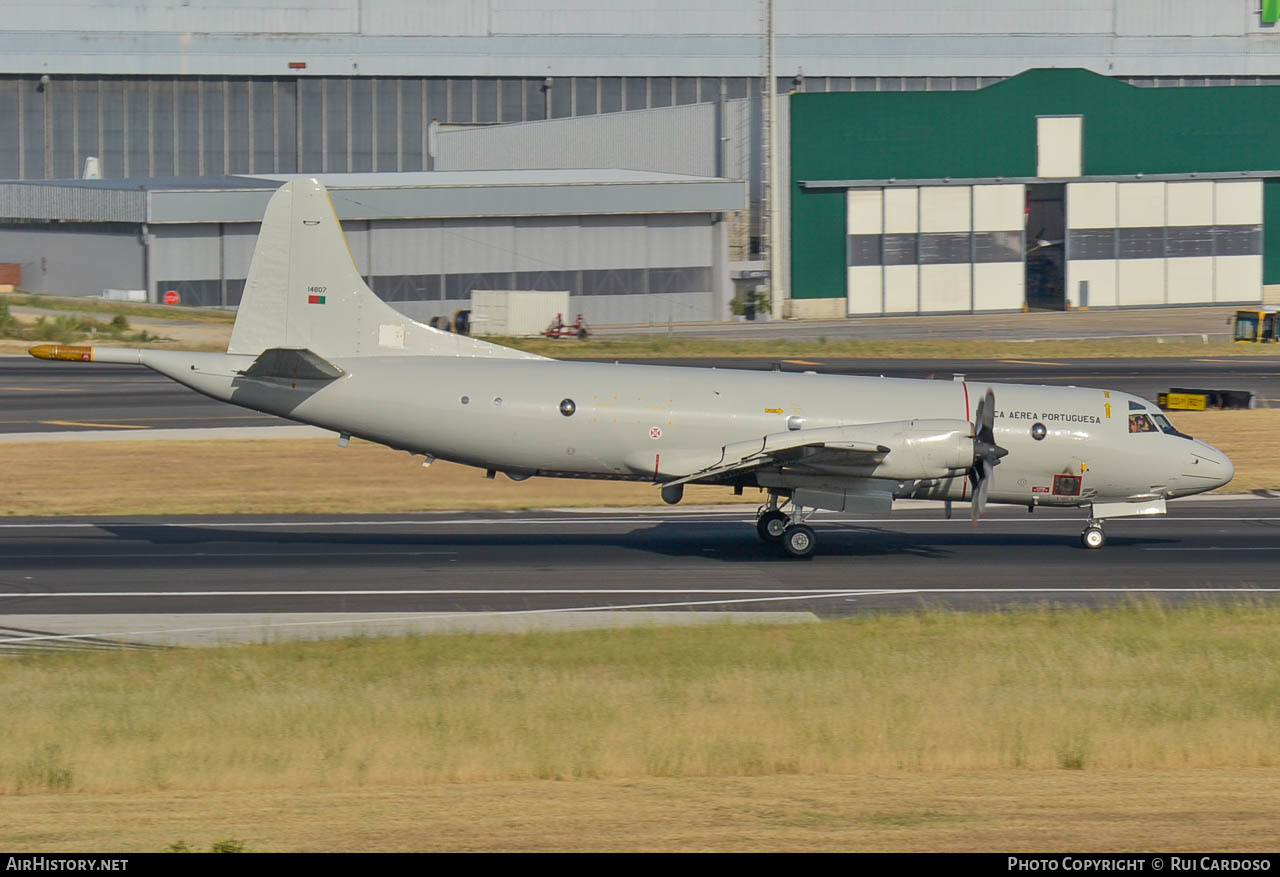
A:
x: 1166, y: 427
x: 1141, y: 423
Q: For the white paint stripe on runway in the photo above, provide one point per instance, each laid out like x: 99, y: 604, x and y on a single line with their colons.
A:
x: 373, y: 551
x: 529, y: 592
x: 605, y: 608
x: 561, y: 610
x: 1219, y: 548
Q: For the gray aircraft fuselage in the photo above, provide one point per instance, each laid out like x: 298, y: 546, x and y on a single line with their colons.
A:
x: 638, y: 422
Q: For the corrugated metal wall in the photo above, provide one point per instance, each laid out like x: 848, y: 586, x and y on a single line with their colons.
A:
x: 680, y: 140
x: 74, y: 260
x: 618, y: 269
x: 72, y: 203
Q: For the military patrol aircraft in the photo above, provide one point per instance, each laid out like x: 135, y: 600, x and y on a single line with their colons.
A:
x: 312, y: 343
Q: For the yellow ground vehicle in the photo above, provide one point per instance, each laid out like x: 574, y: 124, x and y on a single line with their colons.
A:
x: 1258, y: 324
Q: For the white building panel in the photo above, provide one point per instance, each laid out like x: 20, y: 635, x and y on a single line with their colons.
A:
x: 636, y: 17
x: 676, y: 241
x: 999, y: 208
x: 1237, y: 278
x: 1179, y: 18
x: 1139, y: 282
x: 1091, y: 205
x: 1190, y: 279
x: 404, y: 246
x: 944, y: 208
x: 901, y: 289
x: 679, y: 139
x: 1238, y: 202
x: 1189, y: 203
x: 1139, y: 205
x: 548, y: 243
x: 180, y: 17
x: 1059, y: 146
x: 1100, y: 274
x: 474, y: 246
x: 184, y: 251
x: 468, y: 18
x: 902, y: 210
x: 865, y: 290
x: 945, y: 287
x: 999, y: 286
x: 864, y: 216
x: 865, y: 211
x: 614, y: 242
x: 893, y: 17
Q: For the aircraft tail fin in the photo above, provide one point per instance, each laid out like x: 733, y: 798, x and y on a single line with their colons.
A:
x: 304, y: 292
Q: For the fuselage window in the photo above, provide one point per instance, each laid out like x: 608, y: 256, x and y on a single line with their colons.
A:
x: 1141, y: 423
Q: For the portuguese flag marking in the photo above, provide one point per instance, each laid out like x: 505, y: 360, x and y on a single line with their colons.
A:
x: 315, y: 299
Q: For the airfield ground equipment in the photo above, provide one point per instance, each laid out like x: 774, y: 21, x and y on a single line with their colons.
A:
x: 560, y: 329
x: 1257, y: 325
x: 1183, y: 399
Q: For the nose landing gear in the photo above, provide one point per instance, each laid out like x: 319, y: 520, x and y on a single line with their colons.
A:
x: 1093, y: 537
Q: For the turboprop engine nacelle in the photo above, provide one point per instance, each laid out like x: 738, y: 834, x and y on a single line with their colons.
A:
x: 914, y: 449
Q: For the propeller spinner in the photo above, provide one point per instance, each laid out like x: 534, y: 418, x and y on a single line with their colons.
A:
x: 986, y: 454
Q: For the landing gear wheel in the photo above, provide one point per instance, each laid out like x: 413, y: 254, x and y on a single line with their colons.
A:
x: 1093, y: 537
x: 799, y: 541
x: 772, y: 525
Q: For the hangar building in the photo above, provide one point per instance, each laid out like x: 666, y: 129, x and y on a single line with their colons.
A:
x: 629, y: 246
x: 1055, y: 188
x: 159, y: 88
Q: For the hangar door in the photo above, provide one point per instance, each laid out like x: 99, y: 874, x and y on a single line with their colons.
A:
x: 1155, y: 243
x: 935, y: 249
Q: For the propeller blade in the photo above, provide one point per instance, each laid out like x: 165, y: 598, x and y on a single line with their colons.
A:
x: 986, y: 454
x: 985, y: 418
x: 946, y: 508
x: 985, y: 472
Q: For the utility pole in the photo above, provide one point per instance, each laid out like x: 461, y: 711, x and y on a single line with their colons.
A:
x: 770, y: 231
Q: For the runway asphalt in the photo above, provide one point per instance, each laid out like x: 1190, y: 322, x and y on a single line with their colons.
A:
x: 40, y: 396
x: 552, y: 562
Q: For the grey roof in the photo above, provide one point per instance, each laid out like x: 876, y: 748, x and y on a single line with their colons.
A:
x: 373, y: 196
x: 462, y: 38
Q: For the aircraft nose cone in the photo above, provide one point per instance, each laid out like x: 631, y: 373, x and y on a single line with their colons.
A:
x: 1217, y: 464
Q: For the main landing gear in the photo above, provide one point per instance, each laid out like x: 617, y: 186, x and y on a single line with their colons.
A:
x: 1093, y: 537
x: 787, y: 530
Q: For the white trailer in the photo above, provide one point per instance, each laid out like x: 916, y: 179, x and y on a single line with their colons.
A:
x: 515, y: 312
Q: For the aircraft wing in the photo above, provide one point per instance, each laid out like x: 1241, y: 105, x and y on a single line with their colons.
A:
x: 896, y: 449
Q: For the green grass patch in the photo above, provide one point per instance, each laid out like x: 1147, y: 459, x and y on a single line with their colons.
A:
x: 1142, y: 686
x: 87, y: 305
x: 72, y: 329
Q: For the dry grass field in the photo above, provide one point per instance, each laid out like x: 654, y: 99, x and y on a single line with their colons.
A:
x: 315, y: 476
x: 1005, y: 811
x: 1124, y: 728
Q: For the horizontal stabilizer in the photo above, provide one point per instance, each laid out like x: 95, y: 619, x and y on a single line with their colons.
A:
x: 292, y: 364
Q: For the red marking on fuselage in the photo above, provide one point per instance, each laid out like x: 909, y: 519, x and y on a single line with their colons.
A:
x: 656, y: 458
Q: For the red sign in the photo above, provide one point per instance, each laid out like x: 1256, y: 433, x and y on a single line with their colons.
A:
x: 171, y: 297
